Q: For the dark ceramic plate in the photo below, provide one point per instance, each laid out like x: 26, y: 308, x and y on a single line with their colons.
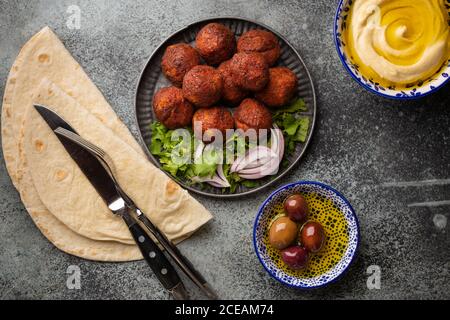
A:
x: 152, y: 79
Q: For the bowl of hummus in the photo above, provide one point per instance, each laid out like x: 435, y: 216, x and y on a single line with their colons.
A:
x: 395, y: 48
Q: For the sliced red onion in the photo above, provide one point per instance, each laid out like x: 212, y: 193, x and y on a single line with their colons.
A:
x: 253, y: 155
x: 217, y: 184
x: 280, y: 141
x: 218, y: 180
x: 275, y: 141
x: 261, y: 161
x: 221, y: 174
x: 282, y: 146
x: 199, y: 150
x: 270, y: 162
x: 269, y: 170
x: 215, y: 181
x: 277, y: 147
x: 236, y: 163
x: 239, y: 160
x: 257, y: 163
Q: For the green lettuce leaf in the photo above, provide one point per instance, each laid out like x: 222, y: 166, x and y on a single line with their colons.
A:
x: 295, y: 127
x: 297, y: 106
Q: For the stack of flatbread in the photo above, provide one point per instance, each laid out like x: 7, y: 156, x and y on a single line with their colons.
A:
x: 59, y: 198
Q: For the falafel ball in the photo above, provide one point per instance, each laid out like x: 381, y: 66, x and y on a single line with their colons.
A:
x: 203, y: 86
x: 252, y: 114
x: 177, y: 60
x: 212, y: 118
x: 250, y: 70
x: 232, y: 94
x: 171, y: 108
x: 261, y: 41
x: 280, y: 89
x: 215, y: 43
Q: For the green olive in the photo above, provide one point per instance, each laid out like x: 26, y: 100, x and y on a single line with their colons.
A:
x: 282, y: 233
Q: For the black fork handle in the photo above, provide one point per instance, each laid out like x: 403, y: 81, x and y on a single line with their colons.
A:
x: 183, y: 262
x: 156, y: 259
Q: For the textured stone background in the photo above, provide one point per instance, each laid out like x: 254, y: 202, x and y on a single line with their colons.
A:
x: 361, y: 143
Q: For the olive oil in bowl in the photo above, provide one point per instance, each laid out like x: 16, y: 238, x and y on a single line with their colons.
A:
x: 324, y: 211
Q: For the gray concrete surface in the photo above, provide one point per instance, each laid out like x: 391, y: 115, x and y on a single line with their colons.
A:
x: 363, y: 145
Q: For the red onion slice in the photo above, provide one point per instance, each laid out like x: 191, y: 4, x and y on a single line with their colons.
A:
x: 221, y: 174
x: 270, y: 162
x: 236, y: 163
x: 280, y: 141
x: 269, y: 168
x: 257, y: 163
x: 277, y: 147
x: 275, y: 141
x: 261, y: 161
x: 215, y: 181
x: 263, y: 172
x: 218, y: 180
x: 198, y: 153
x: 217, y: 184
x: 253, y: 155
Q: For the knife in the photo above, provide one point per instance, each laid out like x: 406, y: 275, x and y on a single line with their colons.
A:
x: 104, y: 185
x: 184, y: 264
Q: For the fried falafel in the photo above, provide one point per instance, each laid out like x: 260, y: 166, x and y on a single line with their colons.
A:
x: 177, y: 60
x: 171, y: 108
x: 252, y: 114
x: 203, y: 86
x: 261, y: 41
x: 232, y: 94
x: 215, y: 43
x: 280, y: 89
x: 207, y: 119
x: 250, y: 70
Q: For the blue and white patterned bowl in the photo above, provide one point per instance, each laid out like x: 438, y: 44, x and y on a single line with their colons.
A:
x: 422, y: 89
x: 266, y: 215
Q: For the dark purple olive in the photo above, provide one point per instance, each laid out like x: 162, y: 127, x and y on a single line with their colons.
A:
x: 312, y: 236
x: 296, y: 207
x: 295, y: 257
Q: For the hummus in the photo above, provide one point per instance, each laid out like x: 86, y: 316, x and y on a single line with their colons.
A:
x: 398, y: 42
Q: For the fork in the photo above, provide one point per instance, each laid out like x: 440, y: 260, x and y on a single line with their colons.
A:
x: 106, y: 161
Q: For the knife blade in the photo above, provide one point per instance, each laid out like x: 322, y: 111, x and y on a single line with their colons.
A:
x: 106, y: 188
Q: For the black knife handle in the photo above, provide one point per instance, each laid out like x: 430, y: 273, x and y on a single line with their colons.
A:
x: 174, y: 252
x: 155, y: 258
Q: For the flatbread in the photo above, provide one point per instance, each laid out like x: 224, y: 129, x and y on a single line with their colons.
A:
x: 56, y: 232
x: 45, y: 56
x: 68, y: 194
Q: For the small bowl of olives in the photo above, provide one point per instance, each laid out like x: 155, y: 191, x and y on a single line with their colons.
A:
x: 306, y: 234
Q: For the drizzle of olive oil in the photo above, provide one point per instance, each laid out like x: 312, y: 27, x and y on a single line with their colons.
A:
x: 325, y: 212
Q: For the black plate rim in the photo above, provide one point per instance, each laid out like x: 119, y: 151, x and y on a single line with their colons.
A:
x: 259, y: 188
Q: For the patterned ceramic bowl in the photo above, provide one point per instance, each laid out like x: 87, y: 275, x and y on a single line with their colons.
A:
x: 266, y: 215
x: 421, y: 89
